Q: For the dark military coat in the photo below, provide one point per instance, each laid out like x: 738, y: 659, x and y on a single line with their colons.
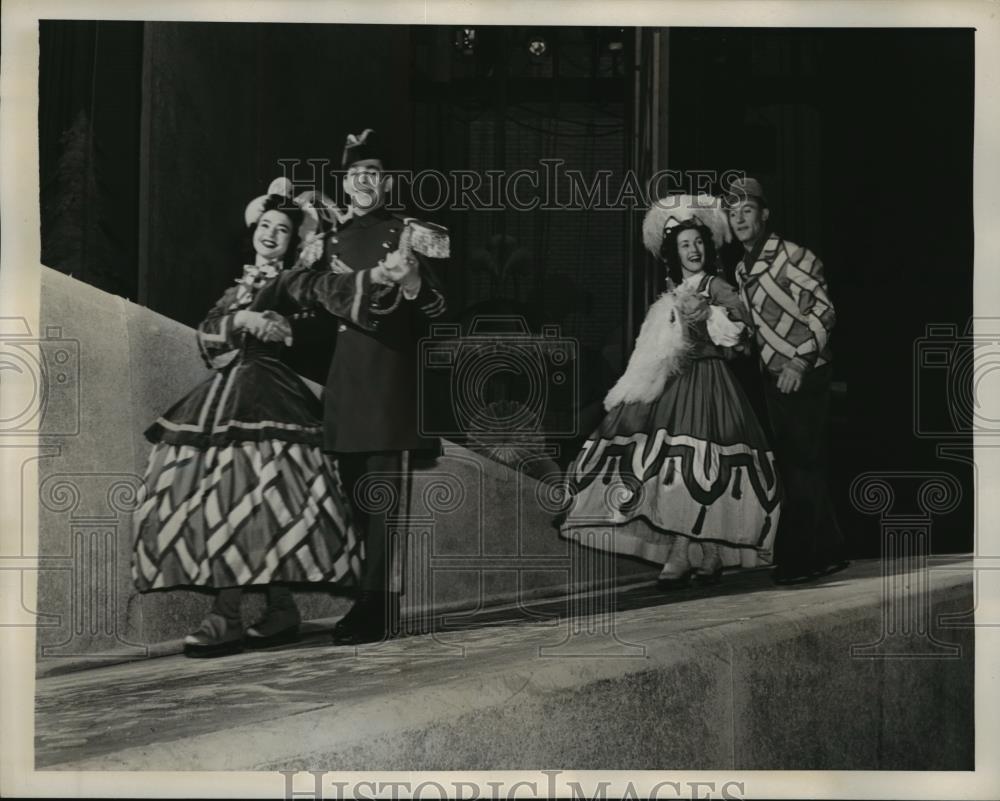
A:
x: 371, y: 399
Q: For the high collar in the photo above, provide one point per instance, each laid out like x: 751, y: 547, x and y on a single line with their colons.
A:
x: 371, y: 218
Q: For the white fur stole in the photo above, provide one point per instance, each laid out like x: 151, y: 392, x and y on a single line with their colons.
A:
x: 659, y: 353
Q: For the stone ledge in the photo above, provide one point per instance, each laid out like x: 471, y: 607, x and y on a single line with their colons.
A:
x: 753, y: 678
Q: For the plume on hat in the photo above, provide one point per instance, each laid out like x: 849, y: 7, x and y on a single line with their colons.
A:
x: 359, y: 147
x: 672, y: 210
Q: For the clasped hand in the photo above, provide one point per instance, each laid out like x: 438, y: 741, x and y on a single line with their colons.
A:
x: 267, y: 326
x: 399, y: 267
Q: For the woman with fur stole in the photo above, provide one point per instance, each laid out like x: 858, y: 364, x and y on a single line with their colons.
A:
x: 679, y: 472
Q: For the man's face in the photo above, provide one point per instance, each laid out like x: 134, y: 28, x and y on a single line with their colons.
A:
x: 747, y: 219
x: 366, y: 185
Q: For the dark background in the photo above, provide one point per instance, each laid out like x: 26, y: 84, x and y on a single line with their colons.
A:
x: 153, y: 137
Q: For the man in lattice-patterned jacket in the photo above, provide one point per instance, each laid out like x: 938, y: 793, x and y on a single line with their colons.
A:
x: 785, y: 290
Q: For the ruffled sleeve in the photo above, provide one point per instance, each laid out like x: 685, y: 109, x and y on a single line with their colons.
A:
x: 721, y: 330
x: 726, y: 323
x: 721, y: 293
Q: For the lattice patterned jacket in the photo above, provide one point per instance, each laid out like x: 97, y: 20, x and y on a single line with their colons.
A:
x: 786, y: 294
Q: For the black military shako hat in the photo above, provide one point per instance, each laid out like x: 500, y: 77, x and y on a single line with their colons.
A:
x: 364, y: 148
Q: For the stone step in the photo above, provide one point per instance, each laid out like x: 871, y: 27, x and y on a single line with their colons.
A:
x: 745, y: 676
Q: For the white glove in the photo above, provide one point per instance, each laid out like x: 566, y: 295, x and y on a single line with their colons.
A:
x: 721, y: 330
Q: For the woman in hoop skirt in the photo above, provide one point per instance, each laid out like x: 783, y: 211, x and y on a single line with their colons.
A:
x: 679, y: 472
x: 237, y: 490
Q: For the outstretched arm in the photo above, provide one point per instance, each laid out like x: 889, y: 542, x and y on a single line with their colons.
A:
x: 344, y: 295
x: 418, y: 290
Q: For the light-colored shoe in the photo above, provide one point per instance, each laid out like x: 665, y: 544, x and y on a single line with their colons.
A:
x: 710, y: 569
x: 677, y: 571
x: 214, y: 637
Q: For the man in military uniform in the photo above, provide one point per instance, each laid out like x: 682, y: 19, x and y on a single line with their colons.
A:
x: 371, y: 403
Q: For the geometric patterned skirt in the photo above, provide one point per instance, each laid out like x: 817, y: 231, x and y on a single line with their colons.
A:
x: 693, y: 466
x: 241, y: 514
x: 237, y: 489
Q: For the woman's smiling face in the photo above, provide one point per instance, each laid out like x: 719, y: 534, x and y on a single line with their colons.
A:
x: 691, y: 250
x: 272, y: 235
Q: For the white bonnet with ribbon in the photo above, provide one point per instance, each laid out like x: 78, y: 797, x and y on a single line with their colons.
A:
x: 282, y: 187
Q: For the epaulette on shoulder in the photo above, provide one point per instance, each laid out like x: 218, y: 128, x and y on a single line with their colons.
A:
x: 429, y: 239
x: 401, y: 220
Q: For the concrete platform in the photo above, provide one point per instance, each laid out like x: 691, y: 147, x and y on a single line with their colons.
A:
x: 745, y: 676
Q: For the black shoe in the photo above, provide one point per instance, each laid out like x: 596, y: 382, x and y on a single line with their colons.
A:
x: 362, y: 633
x: 353, y: 616
x: 344, y: 631
x: 832, y: 567
x: 277, y: 627
x: 786, y: 576
x: 373, y: 618
x: 256, y: 641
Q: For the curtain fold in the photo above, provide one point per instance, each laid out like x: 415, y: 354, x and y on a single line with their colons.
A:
x: 88, y: 137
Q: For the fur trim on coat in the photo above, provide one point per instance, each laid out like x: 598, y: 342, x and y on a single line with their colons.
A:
x: 660, y: 352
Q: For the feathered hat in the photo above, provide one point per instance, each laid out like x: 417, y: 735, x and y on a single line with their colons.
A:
x: 362, y: 147
x: 282, y: 188
x: 673, y: 210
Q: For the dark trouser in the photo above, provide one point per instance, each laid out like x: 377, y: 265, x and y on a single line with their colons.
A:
x: 808, y: 535
x: 373, y: 504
